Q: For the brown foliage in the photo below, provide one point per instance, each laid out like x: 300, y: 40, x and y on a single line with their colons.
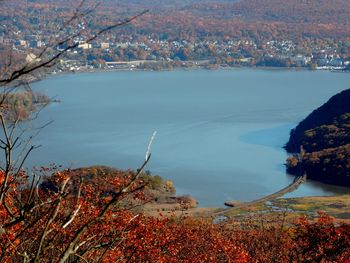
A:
x: 49, y: 228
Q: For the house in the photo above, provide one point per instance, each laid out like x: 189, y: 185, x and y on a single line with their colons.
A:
x: 84, y: 45
x: 31, y: 58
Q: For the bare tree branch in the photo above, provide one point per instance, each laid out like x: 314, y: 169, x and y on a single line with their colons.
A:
x: 50, y: 221
x: 71, y: 247
x: 26, y: 69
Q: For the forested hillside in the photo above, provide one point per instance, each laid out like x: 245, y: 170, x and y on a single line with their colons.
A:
x: 274, y: 18
x: 324, y: 137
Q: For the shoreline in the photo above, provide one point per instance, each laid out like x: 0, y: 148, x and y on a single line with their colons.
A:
x: 198, y: 68
x: 291, y: 208
x: 179, y: 69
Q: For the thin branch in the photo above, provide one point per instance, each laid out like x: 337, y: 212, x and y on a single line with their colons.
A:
x: 110, y: 244
x: 74, y: 214
x: 71, y: 247
x: 81, y: 257
x: 25, y: 157
x: 150, y: 145
x: 50, y: 221
x: 7, y: 208
x: 28, y: 69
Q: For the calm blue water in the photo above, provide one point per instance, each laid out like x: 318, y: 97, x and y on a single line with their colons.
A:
x: 219, y: 133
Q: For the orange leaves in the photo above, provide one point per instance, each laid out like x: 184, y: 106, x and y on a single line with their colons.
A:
x: 188, y: 240
x: 119, y: 235
x: 2, y: 177
x: 322, y: 240
x: 60, y: 177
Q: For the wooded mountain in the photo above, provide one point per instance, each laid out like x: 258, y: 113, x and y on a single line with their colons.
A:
x: 324, y: 137
x: 261, y: 21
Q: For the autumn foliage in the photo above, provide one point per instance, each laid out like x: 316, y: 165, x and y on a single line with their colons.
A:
x: 324, y: 136
x: 71, y: 218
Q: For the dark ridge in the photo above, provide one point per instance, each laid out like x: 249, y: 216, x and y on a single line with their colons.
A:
x: 333, y: 112
x: 325, y: 138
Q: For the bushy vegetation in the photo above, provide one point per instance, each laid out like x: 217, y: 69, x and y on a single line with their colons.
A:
x: 72, y: 222
x: 88, y: 215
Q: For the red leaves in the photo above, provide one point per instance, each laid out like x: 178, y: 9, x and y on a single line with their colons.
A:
x: 186, y: 240
x: 122, y: 236
x: 322, y: 240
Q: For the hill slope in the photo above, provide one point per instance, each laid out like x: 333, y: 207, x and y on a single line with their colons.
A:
x: 325, y: 138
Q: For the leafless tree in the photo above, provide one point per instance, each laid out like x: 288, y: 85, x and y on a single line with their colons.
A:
x: 16, y: 145
x: 13, y: 78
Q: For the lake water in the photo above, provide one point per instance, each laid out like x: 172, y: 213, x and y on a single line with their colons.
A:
x: 219, y: 133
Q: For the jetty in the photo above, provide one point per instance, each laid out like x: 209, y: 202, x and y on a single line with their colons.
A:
x: 290, y: 188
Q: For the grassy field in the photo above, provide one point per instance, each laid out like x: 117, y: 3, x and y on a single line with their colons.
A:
x: 288, y: 210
